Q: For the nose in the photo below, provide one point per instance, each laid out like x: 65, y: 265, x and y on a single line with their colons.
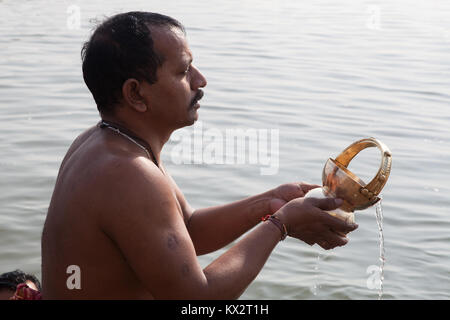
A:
x: 198, y: 80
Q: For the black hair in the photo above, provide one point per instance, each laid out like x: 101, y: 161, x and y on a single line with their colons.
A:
x: 10, y: 280
x: 119, y: 49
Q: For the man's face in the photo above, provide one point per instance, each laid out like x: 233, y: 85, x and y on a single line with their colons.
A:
x: 173, y: 98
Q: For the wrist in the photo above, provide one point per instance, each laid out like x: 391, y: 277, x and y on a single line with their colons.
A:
x: 256, y: 207
x: 278, y: 224
x: 266, y: 199
x: 275, y: 201
x: 282, y: 218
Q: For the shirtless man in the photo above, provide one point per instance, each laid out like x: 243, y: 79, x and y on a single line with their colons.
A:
x: 118, y: 215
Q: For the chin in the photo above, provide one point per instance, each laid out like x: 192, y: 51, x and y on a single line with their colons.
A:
x: 188, y: 122
x: 192, y: 121
x: 193, y: 117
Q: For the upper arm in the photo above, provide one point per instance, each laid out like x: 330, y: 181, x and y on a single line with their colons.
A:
x: 186, y: 209
x: 144, y: 221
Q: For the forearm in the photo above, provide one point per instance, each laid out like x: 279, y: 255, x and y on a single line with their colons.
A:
x: 213, y: 228
x: 230, y: 274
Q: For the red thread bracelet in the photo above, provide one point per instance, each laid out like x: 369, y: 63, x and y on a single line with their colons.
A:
x: 278, y: 223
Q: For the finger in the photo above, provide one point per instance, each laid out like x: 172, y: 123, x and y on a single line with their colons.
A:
x: 325, y: 245
x: 325, y: 204
x: 332, y: 240
x: 336, y: 224
x: 306, y: 187
x: 336, y: 240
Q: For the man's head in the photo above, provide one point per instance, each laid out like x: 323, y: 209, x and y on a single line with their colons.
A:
x: 129, y: 56
x: 10, y: 280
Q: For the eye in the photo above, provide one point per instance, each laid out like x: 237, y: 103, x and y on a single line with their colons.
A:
x: 186, y: 71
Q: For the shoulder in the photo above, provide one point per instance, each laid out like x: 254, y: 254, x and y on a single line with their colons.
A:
x: 79, y: 140
x: 135, y: 190
x: 132, y: 177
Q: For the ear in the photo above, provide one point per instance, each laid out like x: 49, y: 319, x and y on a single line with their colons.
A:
x: 131, y: 94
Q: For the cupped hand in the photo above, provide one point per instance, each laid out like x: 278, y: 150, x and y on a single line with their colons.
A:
x: 287, y: 192
x: 307, y: 220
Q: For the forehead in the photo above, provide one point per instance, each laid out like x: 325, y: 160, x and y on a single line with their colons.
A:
x: 172, y: 44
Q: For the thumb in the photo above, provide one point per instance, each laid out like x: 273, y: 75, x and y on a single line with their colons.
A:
x: 306, y: 187
x: 326, y: 204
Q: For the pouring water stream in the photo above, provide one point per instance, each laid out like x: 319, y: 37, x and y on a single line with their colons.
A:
x: 382, y: 258
x: 379, y: 216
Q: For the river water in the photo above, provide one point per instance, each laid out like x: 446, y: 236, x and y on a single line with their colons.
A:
x: 303, y: 80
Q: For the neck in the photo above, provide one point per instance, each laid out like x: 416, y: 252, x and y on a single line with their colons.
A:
x: 154, y: 135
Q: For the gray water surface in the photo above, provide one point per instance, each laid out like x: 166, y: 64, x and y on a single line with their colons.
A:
x: 321, y: 74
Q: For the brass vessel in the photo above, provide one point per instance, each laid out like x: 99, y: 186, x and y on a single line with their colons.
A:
x: 340, y: 182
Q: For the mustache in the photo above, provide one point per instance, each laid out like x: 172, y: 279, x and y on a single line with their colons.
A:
x: 197, y: 97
